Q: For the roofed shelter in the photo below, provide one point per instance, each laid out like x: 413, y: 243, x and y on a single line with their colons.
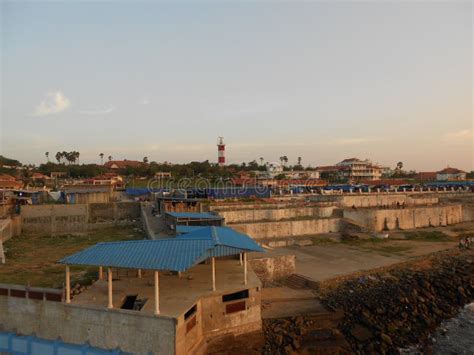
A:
x: 175, y: 254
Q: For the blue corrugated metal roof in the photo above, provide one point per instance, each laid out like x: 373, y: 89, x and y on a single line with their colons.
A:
x: 177, y: 254
x: 193, y: 215
x: 224, y: 236
x: 187, y: 229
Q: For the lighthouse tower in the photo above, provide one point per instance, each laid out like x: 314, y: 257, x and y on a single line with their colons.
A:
x: 220, y: 151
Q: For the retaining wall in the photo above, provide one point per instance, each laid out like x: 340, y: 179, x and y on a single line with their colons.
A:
x: 407, y: 218
x: 76, y: 218
x: 106, y: 329
x: 261, y: 230
x: 374, y: 200
x: 252, y: 215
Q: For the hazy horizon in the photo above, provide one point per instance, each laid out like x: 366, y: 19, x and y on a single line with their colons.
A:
x: 325, y: 81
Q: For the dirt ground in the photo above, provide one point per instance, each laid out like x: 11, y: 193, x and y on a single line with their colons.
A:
x: 32, y: 260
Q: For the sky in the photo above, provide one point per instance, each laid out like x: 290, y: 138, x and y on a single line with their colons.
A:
x: 388, y: 81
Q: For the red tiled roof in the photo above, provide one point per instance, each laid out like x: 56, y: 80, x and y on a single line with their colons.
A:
x: 10, y: 184
x: 451, y: 171
x: 350, y: 159
x: 7, y: 177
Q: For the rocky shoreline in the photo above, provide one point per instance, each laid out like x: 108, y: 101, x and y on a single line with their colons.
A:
x: 383, y: 311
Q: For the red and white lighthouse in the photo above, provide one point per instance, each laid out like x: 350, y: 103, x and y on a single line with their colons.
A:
x: 220, y: 151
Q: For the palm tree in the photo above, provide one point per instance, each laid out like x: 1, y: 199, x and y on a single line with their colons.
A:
x: 299, y: 160
x: 47, y: 156
x: 145, y: 160
x: 59, y: 155
x: 285, y: 159
x: 110, y: 158
x: 101, y: 155
x: 399, y: 165
x: 261, y: 160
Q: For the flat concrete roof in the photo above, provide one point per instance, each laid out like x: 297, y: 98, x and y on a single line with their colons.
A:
x: 177, y: 295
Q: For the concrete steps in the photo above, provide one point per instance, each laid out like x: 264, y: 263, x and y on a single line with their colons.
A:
x: 297, y: 282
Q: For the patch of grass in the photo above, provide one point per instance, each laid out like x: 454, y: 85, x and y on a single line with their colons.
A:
x: 32, y: 260
x: 378, y: 245
x: 428, y: 236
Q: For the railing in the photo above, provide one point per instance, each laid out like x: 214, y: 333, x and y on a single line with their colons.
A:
x: 34, y: 293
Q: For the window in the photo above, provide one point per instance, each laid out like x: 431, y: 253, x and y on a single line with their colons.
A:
x: 190, y: 312
x: 235, y: 296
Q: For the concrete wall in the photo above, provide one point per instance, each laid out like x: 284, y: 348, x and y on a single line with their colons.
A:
x: 289, y: 228
x: 273, y: 268
x: 407, y: 218
x: 77, y: 218
x: 10, y: 227
x: 374, y: 200
x: 213, y: 321
x: 252, y: 215
x: 468, y: 212
x: 107, y: 329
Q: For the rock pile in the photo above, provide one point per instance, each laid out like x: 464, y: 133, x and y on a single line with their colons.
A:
x: 384, y: 312
x: 304, y: 335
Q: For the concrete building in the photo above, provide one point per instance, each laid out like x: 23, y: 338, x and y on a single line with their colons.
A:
x: 450, y: 174
x: 86, y: 193
x: 361, y: 169
x: 174, y: 219
x: 352, y: 169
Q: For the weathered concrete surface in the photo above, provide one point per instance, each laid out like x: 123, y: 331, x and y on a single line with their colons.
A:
x: 275, y: 214
x: 273, y: 268
x: 78, y: 218
x: 405, y: 218
x: 127, y: 330
x: 290, y: 228
x: 322, y: 262
x: 374, y: 200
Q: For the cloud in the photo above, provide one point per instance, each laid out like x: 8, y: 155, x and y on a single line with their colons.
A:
x: 459, y: 136
x: 54, y: 102
x: 99, y: 111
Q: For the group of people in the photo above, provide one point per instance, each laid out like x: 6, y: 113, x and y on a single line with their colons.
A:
x: 466, y: 242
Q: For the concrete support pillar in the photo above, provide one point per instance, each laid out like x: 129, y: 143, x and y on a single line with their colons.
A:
x: 179, y: 274
x: 240, y: 259
x: 213, y: 265
x: 245, y: 268
x: 101, y: 273
x: 157, y: 293
x: 139, y: 273
x: 109, y: 287
x: 68, y: 285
